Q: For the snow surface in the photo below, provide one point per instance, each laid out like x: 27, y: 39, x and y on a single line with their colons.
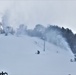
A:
x: 18, y: 57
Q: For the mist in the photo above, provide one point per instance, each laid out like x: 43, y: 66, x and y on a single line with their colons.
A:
x: 55, y: 37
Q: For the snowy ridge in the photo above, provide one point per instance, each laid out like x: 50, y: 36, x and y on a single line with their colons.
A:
x: 17, y: 55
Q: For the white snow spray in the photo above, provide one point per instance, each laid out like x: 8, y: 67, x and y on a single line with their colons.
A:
x: 55, y: 37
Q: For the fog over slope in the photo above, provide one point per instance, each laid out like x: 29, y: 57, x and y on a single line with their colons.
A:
x: 53, y: 36
x: 18, y: 14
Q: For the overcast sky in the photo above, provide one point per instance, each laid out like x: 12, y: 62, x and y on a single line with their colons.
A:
x: 32, y: 12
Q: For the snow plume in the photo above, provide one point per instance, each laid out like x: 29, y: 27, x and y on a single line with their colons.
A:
x: 54, y: 36
x: 5, y: 18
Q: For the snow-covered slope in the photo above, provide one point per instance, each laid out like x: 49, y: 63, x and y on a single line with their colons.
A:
x: 18, y: 57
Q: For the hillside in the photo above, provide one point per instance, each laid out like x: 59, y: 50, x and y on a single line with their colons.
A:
x: 18, y: 57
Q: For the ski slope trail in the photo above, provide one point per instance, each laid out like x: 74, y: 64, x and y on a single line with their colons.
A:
x: 18, y: 57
